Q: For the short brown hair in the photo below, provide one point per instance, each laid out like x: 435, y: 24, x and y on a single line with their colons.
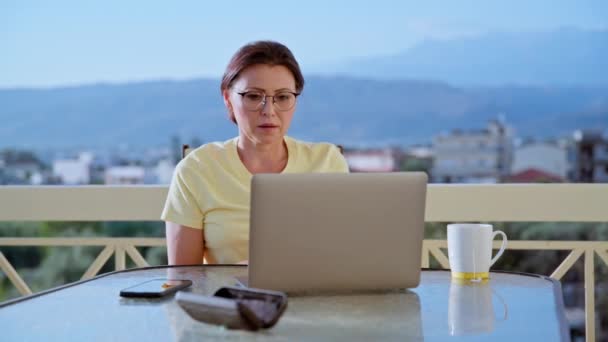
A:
x: 261, y: 52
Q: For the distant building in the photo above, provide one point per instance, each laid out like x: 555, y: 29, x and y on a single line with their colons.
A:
x: 125, y: 175
x: 420, y: 151
x: 590, y: 156
x: 74, y: 171
x: 37, y: 178
x: 19, y: 173
x: 550, y: 158
x: 533, y: 176
x: 416, y: 158
x: 164, y: 171
x: 479, y: 156
x: 4, y: 176
x: 370, y: 160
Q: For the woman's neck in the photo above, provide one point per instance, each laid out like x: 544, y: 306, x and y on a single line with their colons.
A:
x: 262, y: 158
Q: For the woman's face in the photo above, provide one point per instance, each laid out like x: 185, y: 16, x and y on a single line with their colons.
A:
x: 268, y: 124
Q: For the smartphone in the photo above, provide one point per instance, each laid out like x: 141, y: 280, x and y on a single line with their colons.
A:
x: 155, y: 288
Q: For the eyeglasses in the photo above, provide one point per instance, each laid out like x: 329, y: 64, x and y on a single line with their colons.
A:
x: 256, y: 100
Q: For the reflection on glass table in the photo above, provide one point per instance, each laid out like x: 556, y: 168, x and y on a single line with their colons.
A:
x: 506, y: 307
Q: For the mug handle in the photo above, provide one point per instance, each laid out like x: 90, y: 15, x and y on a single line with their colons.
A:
x: 502, y: 247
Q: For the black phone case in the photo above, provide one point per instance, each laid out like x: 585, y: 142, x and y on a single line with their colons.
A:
x: 128, y: 292
x: 235, y: 307
x: 261, y: 308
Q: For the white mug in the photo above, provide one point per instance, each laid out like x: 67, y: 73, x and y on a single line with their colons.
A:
x: 470, y: 249
x: 471, y: 309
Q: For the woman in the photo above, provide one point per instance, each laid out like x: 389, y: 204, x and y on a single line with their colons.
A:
x: 207, y: 208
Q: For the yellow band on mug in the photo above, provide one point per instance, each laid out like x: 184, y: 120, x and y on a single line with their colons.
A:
x: 471, y: 275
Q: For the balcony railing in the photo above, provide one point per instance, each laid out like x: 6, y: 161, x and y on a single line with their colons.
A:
x: 445, y: 203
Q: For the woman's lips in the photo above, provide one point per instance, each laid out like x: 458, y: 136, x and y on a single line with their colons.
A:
x: 268, y: 126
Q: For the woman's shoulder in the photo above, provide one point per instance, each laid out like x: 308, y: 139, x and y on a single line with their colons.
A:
x: 207, y: 154
x: 212, y: 149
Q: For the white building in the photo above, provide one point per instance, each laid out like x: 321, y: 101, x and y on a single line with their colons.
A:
x: 551, y: 158
x: 422, y: 152
x: 74, y: 171
x: 164, y: 171
x: 125, y: 175
x: 370, y: 161
x: 37, y: 178
x: 481, y: 156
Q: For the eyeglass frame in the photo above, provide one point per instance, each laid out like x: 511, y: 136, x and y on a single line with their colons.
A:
x: 263, y: 103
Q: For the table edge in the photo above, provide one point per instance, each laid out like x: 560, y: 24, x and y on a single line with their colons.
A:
x: 79, y: 282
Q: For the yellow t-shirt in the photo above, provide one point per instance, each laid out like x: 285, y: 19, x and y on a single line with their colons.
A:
x: 211, y: 187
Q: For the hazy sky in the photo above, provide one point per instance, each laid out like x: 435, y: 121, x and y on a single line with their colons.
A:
x: 44, y: 43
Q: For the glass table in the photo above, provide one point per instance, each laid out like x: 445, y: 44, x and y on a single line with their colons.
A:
x: 508, y: 307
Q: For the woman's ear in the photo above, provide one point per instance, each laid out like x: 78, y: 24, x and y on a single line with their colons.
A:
x: 228, y: 104
x: 226, y: 96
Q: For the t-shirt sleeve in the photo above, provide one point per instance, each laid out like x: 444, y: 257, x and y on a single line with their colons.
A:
x: 337, y: 163
x: 182, y: 205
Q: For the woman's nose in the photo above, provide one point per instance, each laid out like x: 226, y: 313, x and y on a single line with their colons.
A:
x: 268, y: 106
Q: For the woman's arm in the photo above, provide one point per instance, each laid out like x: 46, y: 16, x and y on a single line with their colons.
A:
x: 185, y: 245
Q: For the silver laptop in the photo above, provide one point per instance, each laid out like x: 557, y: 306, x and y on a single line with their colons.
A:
x: 358, y: 231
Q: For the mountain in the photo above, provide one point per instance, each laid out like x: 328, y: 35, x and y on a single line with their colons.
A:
x: 351, y: 111
x: 568, y: 57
